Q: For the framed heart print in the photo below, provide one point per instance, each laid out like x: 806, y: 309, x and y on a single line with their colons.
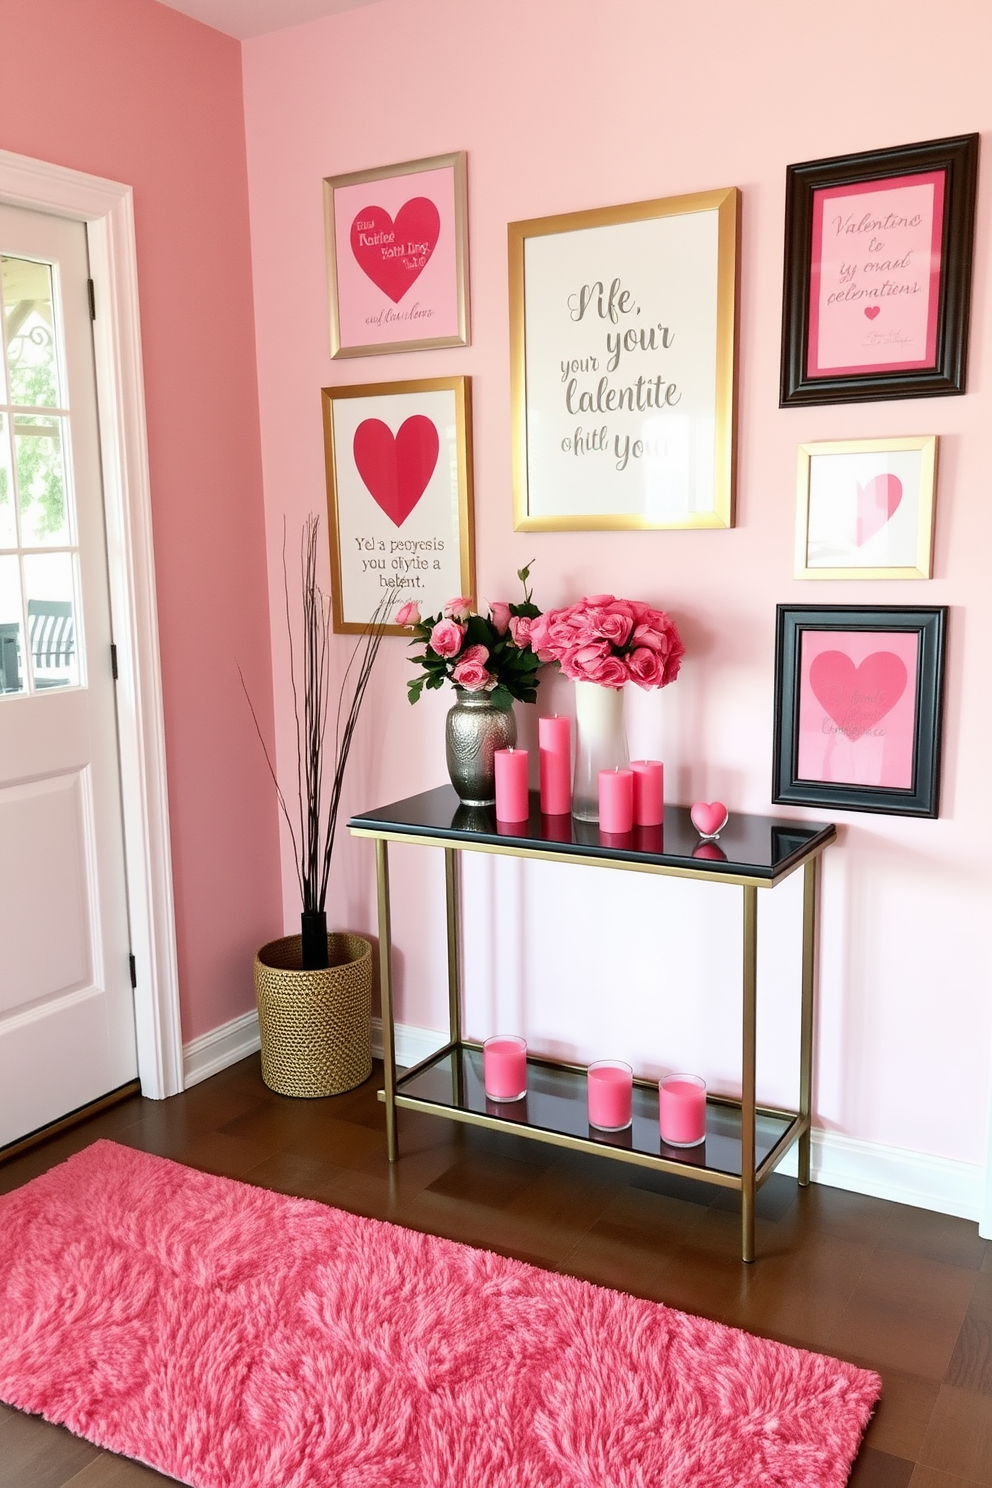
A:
x: 399, y: 497
x: 397, y: 257
x: 858, y: 704
x: 864, y: 508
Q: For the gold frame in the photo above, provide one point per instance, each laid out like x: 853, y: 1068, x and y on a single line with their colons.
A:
x: 753, y: 1174
x: 461, y: 387
x: 927, y: 445
x: 727, y: 204
x: 456, y: 162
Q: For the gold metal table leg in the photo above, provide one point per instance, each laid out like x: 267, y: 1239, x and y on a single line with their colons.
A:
x: 748, y: 1071
x: 806, y: 1023
x: 452, y: 904
x: 386, y: 995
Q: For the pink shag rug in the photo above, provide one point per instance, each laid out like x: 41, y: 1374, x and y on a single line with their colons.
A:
x: 234, y: 1338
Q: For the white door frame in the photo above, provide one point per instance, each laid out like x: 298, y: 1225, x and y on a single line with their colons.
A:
x: 106, y: 209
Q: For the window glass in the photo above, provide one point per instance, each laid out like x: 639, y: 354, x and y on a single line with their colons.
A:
x: 40, y: 462
x: 8, y: 522
x: 11, y: 640
x: 50, y: 589
x: 28, y: 323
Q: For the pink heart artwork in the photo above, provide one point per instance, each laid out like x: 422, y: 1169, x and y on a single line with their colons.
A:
x: 396, y: 470
x: 393, y: 254
x: 878, y: 500
x: 709, y: 817
x: 872, y: 310
x: 857, y: 697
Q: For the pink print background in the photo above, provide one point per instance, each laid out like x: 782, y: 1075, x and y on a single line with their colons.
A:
x: 874, y: 289
x: 429, y: 308
x: 857, y: 707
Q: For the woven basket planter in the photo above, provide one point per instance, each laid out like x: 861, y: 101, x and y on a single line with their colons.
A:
x: 316, y: 1026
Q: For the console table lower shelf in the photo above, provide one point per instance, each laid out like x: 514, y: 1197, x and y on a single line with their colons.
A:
x: 449, y: 1084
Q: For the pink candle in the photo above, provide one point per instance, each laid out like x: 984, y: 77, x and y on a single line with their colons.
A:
x: 649, y: 792
x: 610, y: 1091
x: 616, y: 801
x: 512, y: 800
x: 682, y: 1110
x: 504, y: 1067
x: 555, y: 739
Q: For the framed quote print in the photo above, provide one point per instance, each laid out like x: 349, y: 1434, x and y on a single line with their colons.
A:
x: 864, y: 508
x: 397, y: 257
x: 877, y: 284
x: 399, y: 497
x: 623, y: 362
x: 858, y: 703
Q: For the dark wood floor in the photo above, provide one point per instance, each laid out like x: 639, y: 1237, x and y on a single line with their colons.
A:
x: 901, y: 1290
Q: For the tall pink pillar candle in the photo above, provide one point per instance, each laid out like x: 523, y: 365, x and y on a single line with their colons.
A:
x: 616, y: 801
x: 609, y: 1085
x: 512, y: 800
x: 504, y: 1067
x: 649, y: 792
x: 555, y: 739
x: 682, y: 1110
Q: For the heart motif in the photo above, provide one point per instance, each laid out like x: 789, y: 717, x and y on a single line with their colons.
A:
x: 878, y: 500
x: 394, y: 254
x: 396, y: 471
x: 872, y: 310
x: 856, y: 698
x: 709, y: 817
x: 710, y: 850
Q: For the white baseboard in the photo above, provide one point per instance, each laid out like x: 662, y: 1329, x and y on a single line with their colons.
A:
x: 871, y: 1168
x: 214, y: 1051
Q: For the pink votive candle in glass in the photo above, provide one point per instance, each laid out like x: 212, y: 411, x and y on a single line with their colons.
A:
x: 512, y: 800
x: 649, y: 792
x: 616, y: 801
x: 555, y: 740
x: 610, y: 1090
x: 504, y: 1067
x: 682, y: 1110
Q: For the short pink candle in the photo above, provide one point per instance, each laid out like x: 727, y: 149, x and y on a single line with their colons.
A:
x: 649, y: 792
x: 555, y: 740
x: 610, y: 1090
x: 616, y: 801
x: 682, y: 1110
x: 512, y: 800
x: 504, y: 1067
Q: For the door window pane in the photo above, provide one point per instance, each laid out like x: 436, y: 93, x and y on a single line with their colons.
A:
x: 28, y: 330
x: 11, y: 640
x: 8, y: 523
x: 50, y: 588
x: 41, y: 481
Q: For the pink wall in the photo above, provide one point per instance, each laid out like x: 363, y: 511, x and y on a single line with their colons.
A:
x: 570, y: 105
x: 133, y: 91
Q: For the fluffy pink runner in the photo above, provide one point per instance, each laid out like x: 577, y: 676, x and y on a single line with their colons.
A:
x: 235, y: 1338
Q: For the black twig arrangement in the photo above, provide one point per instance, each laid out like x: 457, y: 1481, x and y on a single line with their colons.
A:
x: 311, y: 830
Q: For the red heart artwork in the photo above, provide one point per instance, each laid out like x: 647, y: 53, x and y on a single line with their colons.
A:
x: 396, y: 471
x: 394, y: 254
x: 857, y: 697
x: 878, y: 500
x: 872, y: 310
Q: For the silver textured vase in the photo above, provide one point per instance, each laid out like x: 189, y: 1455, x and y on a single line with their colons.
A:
x: 473, y: 731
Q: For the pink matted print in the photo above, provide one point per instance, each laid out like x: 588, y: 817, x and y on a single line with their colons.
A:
x: 396, y: 261
x: 875, y: 275
x: 857, y: 707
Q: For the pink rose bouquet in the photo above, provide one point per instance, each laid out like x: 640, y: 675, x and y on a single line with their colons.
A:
x: 610, y: 641
x: 480, y: 653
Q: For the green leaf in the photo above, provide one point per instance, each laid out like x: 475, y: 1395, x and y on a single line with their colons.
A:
x: 415, y: 688
x: 435, y: 680
x: 501, y: 696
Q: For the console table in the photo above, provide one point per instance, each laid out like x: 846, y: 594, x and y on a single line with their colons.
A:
x: 744, y: 1141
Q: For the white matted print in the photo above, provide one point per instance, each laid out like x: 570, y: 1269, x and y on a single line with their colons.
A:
x: 622, y: 324
x: 399, y: 496
x: 865, y: 509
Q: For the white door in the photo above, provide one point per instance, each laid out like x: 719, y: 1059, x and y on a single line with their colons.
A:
x: 67, y: 1032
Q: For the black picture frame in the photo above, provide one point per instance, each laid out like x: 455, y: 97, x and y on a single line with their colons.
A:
x: 922, y: 796
x: 957, y: 159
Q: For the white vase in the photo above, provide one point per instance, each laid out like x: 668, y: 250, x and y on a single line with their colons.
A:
x: 600, y: 744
